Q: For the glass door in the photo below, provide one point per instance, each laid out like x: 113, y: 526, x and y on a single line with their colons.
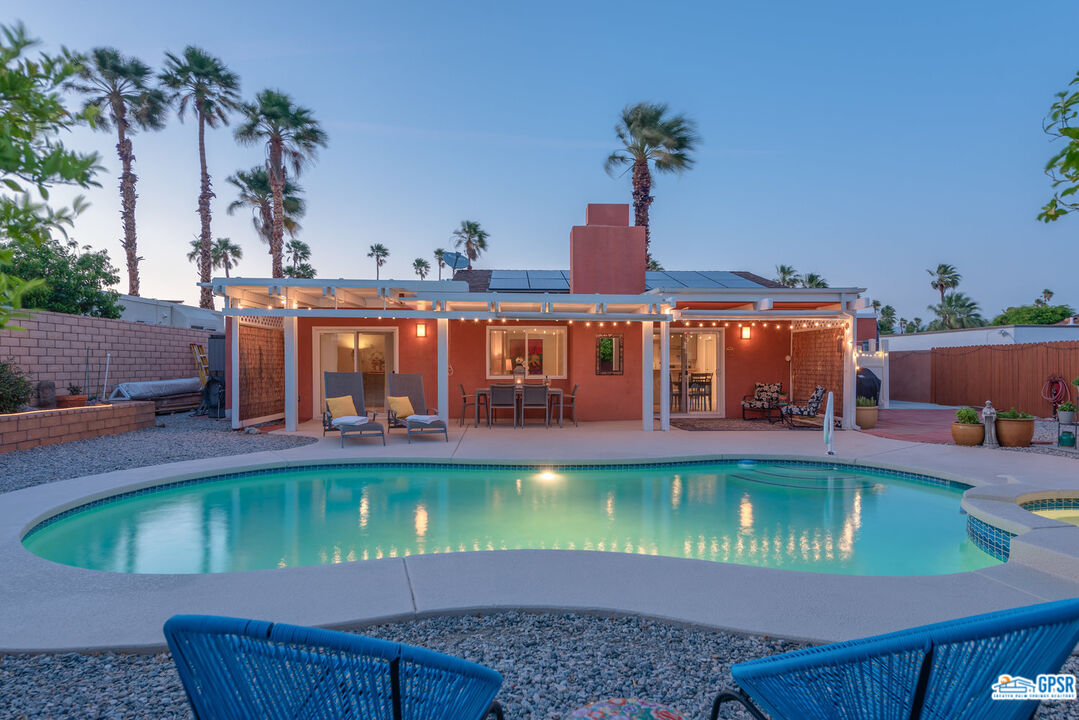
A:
x: 370, y: 353
x: 695, y: 372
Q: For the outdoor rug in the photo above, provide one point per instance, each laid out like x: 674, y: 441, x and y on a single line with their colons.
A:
x: 708, y: 424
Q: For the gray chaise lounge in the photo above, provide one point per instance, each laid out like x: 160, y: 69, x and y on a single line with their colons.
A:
x: 410, y: 385
x: 339, y: 384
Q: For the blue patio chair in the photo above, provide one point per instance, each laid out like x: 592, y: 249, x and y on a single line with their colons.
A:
x: 236, y: 669
x: 943, y: 671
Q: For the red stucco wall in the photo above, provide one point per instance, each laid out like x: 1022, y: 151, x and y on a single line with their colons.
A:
x: 761, y: 358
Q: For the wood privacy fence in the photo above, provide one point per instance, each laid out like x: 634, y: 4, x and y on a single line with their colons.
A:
x: 1008, y: 375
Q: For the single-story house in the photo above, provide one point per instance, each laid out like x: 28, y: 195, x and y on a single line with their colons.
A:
x: 635, y: 344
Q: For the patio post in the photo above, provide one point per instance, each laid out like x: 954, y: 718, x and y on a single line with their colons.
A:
x: 664, y: 375
x: 647, y: 420
x: 443, y: 370
x: 234, y: 369
x: 291, y: 401
x: 850, y: 376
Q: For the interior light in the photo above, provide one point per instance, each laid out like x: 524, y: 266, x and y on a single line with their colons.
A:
x: 421, y: 329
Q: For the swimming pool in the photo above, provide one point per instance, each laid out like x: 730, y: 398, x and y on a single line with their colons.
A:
x: 798, y: 516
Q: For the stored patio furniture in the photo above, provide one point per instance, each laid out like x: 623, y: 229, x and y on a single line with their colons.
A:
x: 535, y: 397
x: 945, y: 670
x: 410, y: 385
x: 502, y: 397
x: 360, y: 422
x: 765, y: 399
x: 810, y: 409
x: 700, y: 391
x: 471, y: 401
x: 236, y: 669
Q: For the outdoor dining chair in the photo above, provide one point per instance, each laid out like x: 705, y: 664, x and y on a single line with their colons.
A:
x: 570, y: 402
x: 502, y: 397
x: 469, y: 401
x: 236, y: 669
x: 535, y: 397
x: 946, y: 670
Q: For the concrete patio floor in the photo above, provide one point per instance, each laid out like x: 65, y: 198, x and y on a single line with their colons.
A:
x: 46, y: 606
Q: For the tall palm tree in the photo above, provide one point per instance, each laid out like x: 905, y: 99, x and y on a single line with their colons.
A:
x: 472, y: 238
x: 440, y: 260
x: 787, y: 276
x: 1047, y: 295
x: 945, y: 277
x: 813, y: 280
x: 886, y: 320
x: 422, y: 267
x: 255, y: 193
x: 223, y: 253
x: 651, y: 138
x: 297, y: 251
x: 201, y: 82
x: 119, y: 89
x: 292, y: 137
x: 957, y: 311
x: 379, y: 253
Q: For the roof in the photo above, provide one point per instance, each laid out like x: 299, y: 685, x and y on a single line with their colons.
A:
x: 558, y: 281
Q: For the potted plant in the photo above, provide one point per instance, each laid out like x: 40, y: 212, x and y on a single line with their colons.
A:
x: 1066, y: 412
x: 74, y: 398
x: 1015, y: 428
x: 865, y: 412
x: 967, y: 428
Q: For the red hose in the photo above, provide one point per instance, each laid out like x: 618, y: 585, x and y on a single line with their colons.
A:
x: 1056, y: 391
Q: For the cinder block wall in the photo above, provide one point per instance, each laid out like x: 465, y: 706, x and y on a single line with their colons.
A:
x: 23, y: 431
x: 817, y: 359
x: 53, y: 347
x: 262, y: 371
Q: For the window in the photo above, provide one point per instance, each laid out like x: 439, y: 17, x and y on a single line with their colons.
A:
x: 608, y: 354
x: 541, y: 350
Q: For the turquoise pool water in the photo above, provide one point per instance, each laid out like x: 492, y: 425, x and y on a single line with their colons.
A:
x: 798, y: 517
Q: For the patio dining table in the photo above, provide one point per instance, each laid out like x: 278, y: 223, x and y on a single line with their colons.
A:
x: 552, y: 394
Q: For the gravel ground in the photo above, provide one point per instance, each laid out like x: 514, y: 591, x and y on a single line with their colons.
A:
x: 550, y: 663
x: 177, y: 437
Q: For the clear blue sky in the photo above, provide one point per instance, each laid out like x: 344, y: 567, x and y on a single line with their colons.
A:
x: 863, y: 141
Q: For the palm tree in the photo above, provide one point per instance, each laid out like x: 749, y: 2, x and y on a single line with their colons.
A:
x: 379, y: 253
x: 945, y: 277
x: 297, y: 251
x: 200, y: 81
x: 957, y: 311
x: 223, y: 253
x: 651, y: 137
x: 787, y: 276
x: 292, y: 136
x: 472, y: 238
x: 440, y: 260
x: 119, y: 91
x: 886, y: 320
x: 300, y: 270
x: 422, y: 267
x: 255, y: 193
x: 1047, y: 295
x: 813, y: 280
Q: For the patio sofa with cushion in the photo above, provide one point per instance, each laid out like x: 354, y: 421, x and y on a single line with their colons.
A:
x: 810, y: 409
x: 765, y: 399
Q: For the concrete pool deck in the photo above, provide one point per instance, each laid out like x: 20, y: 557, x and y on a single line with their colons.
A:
x: 45, y: 606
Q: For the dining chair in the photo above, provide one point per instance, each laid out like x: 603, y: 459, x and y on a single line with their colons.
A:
x: 569, y: 402
x: 469, y: 401
x: 503, y: 397
x: 534, y: 397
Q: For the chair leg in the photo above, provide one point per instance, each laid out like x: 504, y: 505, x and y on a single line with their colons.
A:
x: 495, y: 712
x: 740, y: 698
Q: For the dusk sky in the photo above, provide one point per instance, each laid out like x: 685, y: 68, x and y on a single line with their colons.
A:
x: 862, y: 141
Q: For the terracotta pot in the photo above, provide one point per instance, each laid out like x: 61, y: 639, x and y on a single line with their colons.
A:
x: 70, y: 401
x: 968, y: 433
x: 1015, y: 433
x: 866, y: 417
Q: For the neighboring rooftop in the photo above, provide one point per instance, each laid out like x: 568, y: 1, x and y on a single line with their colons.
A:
x: 557, y: 281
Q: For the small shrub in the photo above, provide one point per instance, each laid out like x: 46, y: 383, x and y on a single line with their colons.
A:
x: 863, y: 401
x: 15, y: 387
x: 1013, y: 414
x: 967, y: 416
x: 1067, y: 406
x: 74, y: 389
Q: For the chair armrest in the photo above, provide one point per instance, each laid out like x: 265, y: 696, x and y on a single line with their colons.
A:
x: 748, y: 397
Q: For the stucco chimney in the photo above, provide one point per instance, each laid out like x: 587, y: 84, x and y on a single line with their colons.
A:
x: 606, y: 253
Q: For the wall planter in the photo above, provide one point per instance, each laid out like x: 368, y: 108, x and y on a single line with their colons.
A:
x: 1015, y: 432
x: 70, y: 401
x: 866, y: 417
x: 968, y: 434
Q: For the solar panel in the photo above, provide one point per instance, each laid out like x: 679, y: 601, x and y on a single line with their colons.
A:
x: 508, y: 274
x: 545, y: 274
x: 558, y: 283
x: 729, y: 279
x: 509, y: 283
x: 692, y: 279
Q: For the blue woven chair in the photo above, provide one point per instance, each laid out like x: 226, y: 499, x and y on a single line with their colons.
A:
x: 943, y: 671
x: 236, y: 669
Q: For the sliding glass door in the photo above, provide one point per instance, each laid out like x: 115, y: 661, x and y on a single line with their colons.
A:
x: 369, y: 352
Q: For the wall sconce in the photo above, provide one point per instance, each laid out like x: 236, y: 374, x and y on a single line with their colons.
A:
x: 745, y: 332
x: 421, y: 329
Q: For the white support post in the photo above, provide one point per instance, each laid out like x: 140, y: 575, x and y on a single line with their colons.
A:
x: 664, y: 376
x: 850, y: 376
x: 443, y: 370
x: 234, y: 369
x: 291, y: 369
x: 646, y: 376
x: 885, y: 382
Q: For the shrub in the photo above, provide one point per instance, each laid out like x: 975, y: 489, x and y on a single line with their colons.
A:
x: 74, y: 389
x: 863, y: 401
x: 15, y: 387
x: 1013, y: 414
x: 1067, y: 406
x: 967, y: 416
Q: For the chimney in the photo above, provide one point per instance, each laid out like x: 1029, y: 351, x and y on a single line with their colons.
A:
x: 606, y: 253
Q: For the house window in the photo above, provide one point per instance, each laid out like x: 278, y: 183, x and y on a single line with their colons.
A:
x: 541, y: 350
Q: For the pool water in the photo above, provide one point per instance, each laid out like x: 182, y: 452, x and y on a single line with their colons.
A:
x: 797, y: 517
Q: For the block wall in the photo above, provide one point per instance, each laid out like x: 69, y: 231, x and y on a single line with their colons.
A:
x: 23, y: 431
x: 817, y: 359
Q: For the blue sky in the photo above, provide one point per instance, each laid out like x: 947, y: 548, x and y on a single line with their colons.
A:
x: 863, y: 141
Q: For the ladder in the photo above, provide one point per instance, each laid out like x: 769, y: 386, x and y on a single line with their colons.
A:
x: 202, y: 362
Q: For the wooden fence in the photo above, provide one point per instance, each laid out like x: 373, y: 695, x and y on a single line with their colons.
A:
x: 908, y: 375
x: 1008, y: 375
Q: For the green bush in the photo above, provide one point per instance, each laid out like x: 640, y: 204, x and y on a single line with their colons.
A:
x: 1013, y: 414
x: 967, y: 416
x: 15, y: 387
x: 1067, y: 406
x: 863, y: 401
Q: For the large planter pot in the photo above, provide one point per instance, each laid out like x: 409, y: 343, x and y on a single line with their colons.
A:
x: 968, y: 433
x: 70, y: 401
x: 1015, y: 433
x: 866, y: 417
x: 1066, y: 416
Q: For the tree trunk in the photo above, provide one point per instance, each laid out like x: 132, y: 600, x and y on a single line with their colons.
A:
x: 642, y: 198
x: 127, y: 198
x: 206, y: 295
x: 277, y: 185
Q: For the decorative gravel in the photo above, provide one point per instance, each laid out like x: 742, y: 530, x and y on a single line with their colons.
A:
x: 550, y: 663
x: 180, y: 436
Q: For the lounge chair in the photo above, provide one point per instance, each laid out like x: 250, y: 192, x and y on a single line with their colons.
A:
x: 810, y: 409
x: 423, y: 420
x: 765, y: 398
x: 233, y: 668
x: 946, y: 670
x: 360, y: 422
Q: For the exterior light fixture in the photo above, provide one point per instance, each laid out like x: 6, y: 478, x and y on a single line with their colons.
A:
x: 519, y: 374
x: 421, y: 329
x: 745, y: 332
